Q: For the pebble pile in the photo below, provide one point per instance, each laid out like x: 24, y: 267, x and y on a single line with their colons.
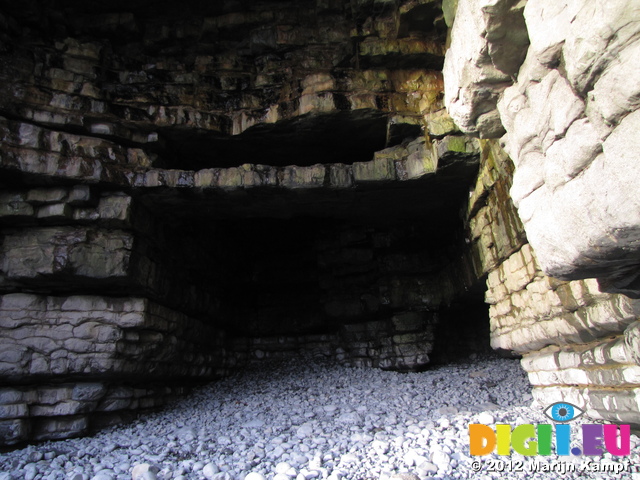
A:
x: 304, y: 419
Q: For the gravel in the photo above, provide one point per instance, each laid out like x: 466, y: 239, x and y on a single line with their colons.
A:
x: 305, y: 418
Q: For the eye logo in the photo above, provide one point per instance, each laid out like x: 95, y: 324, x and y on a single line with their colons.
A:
x: 563, y: 412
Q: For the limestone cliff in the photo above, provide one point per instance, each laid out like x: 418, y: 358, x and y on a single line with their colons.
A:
x: 567, y: 100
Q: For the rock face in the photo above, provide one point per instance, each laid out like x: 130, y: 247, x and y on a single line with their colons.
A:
x: 185, y: 189
x: 577, y: 342
x: 575, y: 131
x: 488, y: 44
x: 569, y: 130
x: 189, y: 188
x: 567, y: 110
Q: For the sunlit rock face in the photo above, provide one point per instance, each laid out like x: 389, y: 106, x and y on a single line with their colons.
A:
x: 187, y: 187
x: 488, y: 44
x: 568, y: 97
x: 568, y: 103
x: 574, y: 126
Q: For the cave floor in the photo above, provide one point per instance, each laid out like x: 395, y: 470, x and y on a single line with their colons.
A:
x: 306, y: 418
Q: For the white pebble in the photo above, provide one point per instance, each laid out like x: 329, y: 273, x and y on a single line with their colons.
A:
x: 141, y: 470
x: 256, y: 423
x: 105, y: 476
x: 282, y: 467
x: 485, y: 418
x: 441, y: 459
x: 305, y: 430
x: 349, y: 458
x: 255, y: 476
x: 209, y: 470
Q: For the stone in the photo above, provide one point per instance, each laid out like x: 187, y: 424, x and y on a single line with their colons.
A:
x: 594, y: 32
x: 75, y: 252
x: 46, y: 195
x: 115, y: 207
x: 547, y: 24
x: 440, y: 124
x: 54, y: 211
x: 375, y: 171
x: 303, y: 177
x: 488, y: 46
x: 282, y: 468
x: 404, y: 476
x: 440, y: 459
x: 427, y: 468
x: 79, y: 195
x: 209, y: 470
x: 15, y: 205
x: 485, y: 418
x: 304, y: 430
x: 255, y: 423
x: 349, y: 418
x: 419, y: 164
x: 108, y: 476
x: 574, y: 249
x: 255, y: 476
x: 582, y: 116
x: 88, y: 391
x: 144, y: 471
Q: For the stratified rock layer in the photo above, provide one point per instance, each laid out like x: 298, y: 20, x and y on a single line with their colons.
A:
x: 577, y: 342
x: 570, y: 118
x: 569, y: 110
x: 187, y: 189
x: 488, y: 45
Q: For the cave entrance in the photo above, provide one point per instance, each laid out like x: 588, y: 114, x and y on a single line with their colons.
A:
x: 376, y: 275
x: 384, y: 294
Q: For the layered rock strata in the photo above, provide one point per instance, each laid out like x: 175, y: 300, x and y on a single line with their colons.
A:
x: 68, y: 362
x: 569, y: 130
x: 403, y: 343
x: 488, y: 44
x: 190, y: 188
x: 184, y: 190
x: 568, y: 103
x: 577, y: 342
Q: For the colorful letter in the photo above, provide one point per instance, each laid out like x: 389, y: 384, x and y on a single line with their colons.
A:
x: 563, y: 439
x: 521, y: 435
x: 503, y: 432
x: 611, y: 439
x: 544, y: 439
x: 482, y: 439
x: 592, y: 439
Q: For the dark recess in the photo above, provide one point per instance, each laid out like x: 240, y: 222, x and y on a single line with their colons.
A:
x: 342, y: 137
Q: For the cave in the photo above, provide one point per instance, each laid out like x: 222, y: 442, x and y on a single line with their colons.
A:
x: 188, y: 188
x: 325, y: 265
x: 255, y: 177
